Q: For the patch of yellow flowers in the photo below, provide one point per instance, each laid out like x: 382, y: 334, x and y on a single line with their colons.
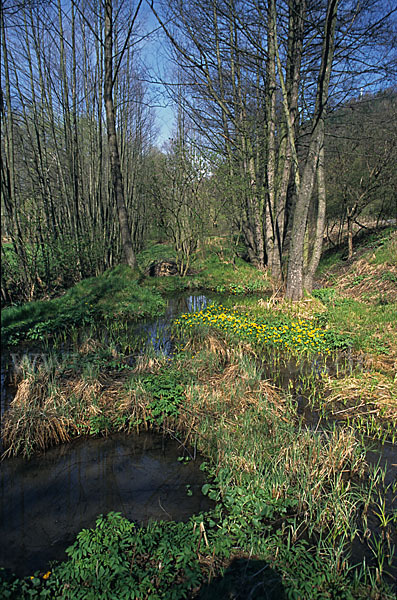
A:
x: 301, y: 334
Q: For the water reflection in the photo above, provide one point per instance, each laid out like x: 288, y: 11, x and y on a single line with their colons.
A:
x: 157, y: 333
x: 45, y: 502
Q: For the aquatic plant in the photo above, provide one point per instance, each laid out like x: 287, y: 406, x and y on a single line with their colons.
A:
x: 285, y: 494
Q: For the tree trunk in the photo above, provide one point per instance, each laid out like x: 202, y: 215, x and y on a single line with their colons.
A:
x: 114, y: 156
x: 320, y: 225
x: 304, y: 187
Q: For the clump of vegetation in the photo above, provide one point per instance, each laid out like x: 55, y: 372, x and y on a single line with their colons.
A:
x: 366, y: 400
x: 371, y: 279
x: 117, y: 559
x: 296, y: 336
x: 115, y: 297
x: 215, y: 267
x: 292, y: 498
x: 285, y: 495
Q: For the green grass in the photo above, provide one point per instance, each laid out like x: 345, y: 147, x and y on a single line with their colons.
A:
x: 290, y: 497
x: 386, y: 251
x: 114, y: 297
x: 214, y: 268
x: 329, y: 260
x: 370, y: 327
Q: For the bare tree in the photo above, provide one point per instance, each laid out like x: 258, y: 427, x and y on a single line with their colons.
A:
x: 109, y: 81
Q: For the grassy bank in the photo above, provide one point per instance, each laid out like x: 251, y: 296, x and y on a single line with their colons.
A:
x: 121, y: 296
x: 275, y: 397
x: 110, y: 300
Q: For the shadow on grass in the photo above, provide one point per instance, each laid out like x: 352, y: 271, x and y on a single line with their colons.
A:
x: 245, y: 580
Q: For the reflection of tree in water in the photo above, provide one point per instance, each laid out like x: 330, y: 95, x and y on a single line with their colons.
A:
x: 195, y: 303
x: 245, y: 580
x: 158, y: 332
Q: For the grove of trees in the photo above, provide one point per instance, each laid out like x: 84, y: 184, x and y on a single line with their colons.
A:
x: 285, y: 127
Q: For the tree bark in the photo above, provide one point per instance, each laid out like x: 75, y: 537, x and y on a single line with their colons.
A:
x: 320, y: 225
x: 115, y: 166
x: 304, y: 187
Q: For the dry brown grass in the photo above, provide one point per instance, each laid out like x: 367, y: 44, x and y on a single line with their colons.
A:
x: 364, y: 280
x: 212, y: 344
x: 303, y: 309
x: 386, y: 365
x: 35, y: 419
x: 227, y: 395
x: 322, y: 456
x: 44, y: 414
x: 134, y: 406
x: 367, y: 282
x: 89, y: 345
x: 148, y: 364
x: 368, y: 394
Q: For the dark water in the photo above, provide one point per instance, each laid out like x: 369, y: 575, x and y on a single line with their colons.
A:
x: 157, y: 332
x: 46, y: 501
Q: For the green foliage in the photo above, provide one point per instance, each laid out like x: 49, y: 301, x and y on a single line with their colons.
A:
x: 49, y: 267
x: 389, y: 276
x: 112, y: 297
x: 281, y: 332
x: 328, y: 260
x: 283, y: 492
x: 231, y: 276
x: 154, y: 253
x: 117, y: 560
x: 367, y: 326
x: 326, y: 295
x: 167, y: 395
x: 280, y: 494
x: 213, y: 269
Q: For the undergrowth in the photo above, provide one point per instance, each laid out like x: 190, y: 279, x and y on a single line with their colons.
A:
x: 292, y: 498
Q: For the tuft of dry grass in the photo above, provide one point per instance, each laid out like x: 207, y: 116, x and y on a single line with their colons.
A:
x: 227, y: 395
x: 89, y: 345
x: 382, y: 364
x: 87, y: 391
x: 367, y: 394
x: 148, y: 364
x: 44, y: 414
x: 133, y: 407
x: 322, y: 457
x: 212, y: 343
x: 36, y: 419
x: 306, y: 308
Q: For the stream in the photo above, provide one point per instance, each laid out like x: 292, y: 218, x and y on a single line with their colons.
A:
x: 46, y: 501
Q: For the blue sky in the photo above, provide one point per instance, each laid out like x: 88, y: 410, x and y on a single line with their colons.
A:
x: 155, y: 59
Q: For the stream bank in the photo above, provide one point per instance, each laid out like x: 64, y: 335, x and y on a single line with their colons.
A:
x: 278, y: 484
